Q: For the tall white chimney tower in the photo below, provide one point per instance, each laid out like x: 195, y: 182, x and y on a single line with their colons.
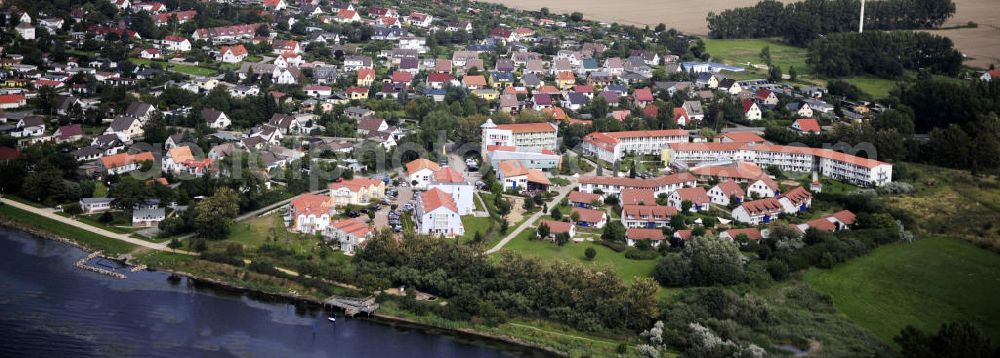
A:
x: 861, y: 22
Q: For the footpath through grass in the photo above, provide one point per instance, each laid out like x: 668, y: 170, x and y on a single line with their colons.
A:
x: 927, y: 283
x: 94, y: 241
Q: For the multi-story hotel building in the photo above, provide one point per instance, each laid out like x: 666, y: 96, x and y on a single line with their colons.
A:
x: 836, y: 165
x: 524, y: 137
x: 612, y: 146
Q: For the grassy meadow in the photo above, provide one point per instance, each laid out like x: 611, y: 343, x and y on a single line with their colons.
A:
x: 926, y: 283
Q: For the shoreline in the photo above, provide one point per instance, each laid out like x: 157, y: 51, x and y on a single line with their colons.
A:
x: 379, y: 318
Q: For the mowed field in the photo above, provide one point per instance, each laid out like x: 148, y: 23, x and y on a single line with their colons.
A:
x: 981, y: 44
x: 685, y: 15
x: 927, y: 283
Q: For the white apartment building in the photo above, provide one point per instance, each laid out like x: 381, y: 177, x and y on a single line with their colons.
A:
x: 438, y: 214
x: 612, y: 146
x: 526, y: 137
x: 836, y: 165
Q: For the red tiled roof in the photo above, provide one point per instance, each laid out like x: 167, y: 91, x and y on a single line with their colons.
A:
x: 644, y: 234
x: 845, y: 216
x: 448, y: 175
x: 438, y: 77
x: 730, y: 188
x: 474, y: 80
x: 355, y: 184
x: 798, y: 195
x: 637, y: 197
x: 589, y: 215
x: 11, y: 98
x: 808, y: 125
x: 581, y: 197
x: 643, y: 94
x: 743, y: 137
x: 355, y: 227
x: 557, y: 227
x: 528, y: 127
x: 696, y: 195
x: 435, y: 198
x: 761, y: 206
x: 237, y: 50
x: 821, y: 224
x: 751, y: 233
x: 364, y: 73
x: 658, y: 212
x: 639, y: 183
x: 762, y: 94
x: 418, y: 164
x: 740, y: 170
x: 311, y: 204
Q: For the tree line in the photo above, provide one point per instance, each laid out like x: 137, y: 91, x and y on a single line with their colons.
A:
x: 479, y: 289
x: 883, y: 54
x: 800, y: 22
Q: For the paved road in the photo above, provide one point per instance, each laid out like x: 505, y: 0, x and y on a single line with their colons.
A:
x: 563, y: 191
x: 51, y: 214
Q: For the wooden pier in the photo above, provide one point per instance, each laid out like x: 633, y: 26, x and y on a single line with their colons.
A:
x: 353, y: 306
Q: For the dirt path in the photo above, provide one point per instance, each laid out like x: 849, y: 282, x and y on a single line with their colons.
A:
x: 51, y: 214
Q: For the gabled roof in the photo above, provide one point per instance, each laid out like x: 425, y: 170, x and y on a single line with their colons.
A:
x: 581, y: 197
x: 643, y: 94
x: 731, y: 188
x: 761, y: 206
x: 797, y: 195
x: 448, y: 175
x: 808, y: 125
x: 696, y: 195
x: 556, y: 227
x: 356, y: 184
x: 751, y: 233
x: 311, y: 204
x: 420, y: 164
x: 644, y: 234
x: 637, y: 197
x: 589, y: 215
x: 436, y: 198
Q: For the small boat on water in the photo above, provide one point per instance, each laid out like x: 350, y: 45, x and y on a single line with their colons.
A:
x: 332, y: 319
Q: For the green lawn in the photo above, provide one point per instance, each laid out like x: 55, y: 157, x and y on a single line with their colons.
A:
x: 876, y: 87
x: 475, y: 224
x: 100, y: 190
x: 185, y: 69
x: 741, y: 51
x: 626, y: 269
x: 926, y: 283
x: 91, y: 240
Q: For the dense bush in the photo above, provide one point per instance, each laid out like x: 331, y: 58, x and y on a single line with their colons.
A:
x: 637, y: 254
x: 706, y: 260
